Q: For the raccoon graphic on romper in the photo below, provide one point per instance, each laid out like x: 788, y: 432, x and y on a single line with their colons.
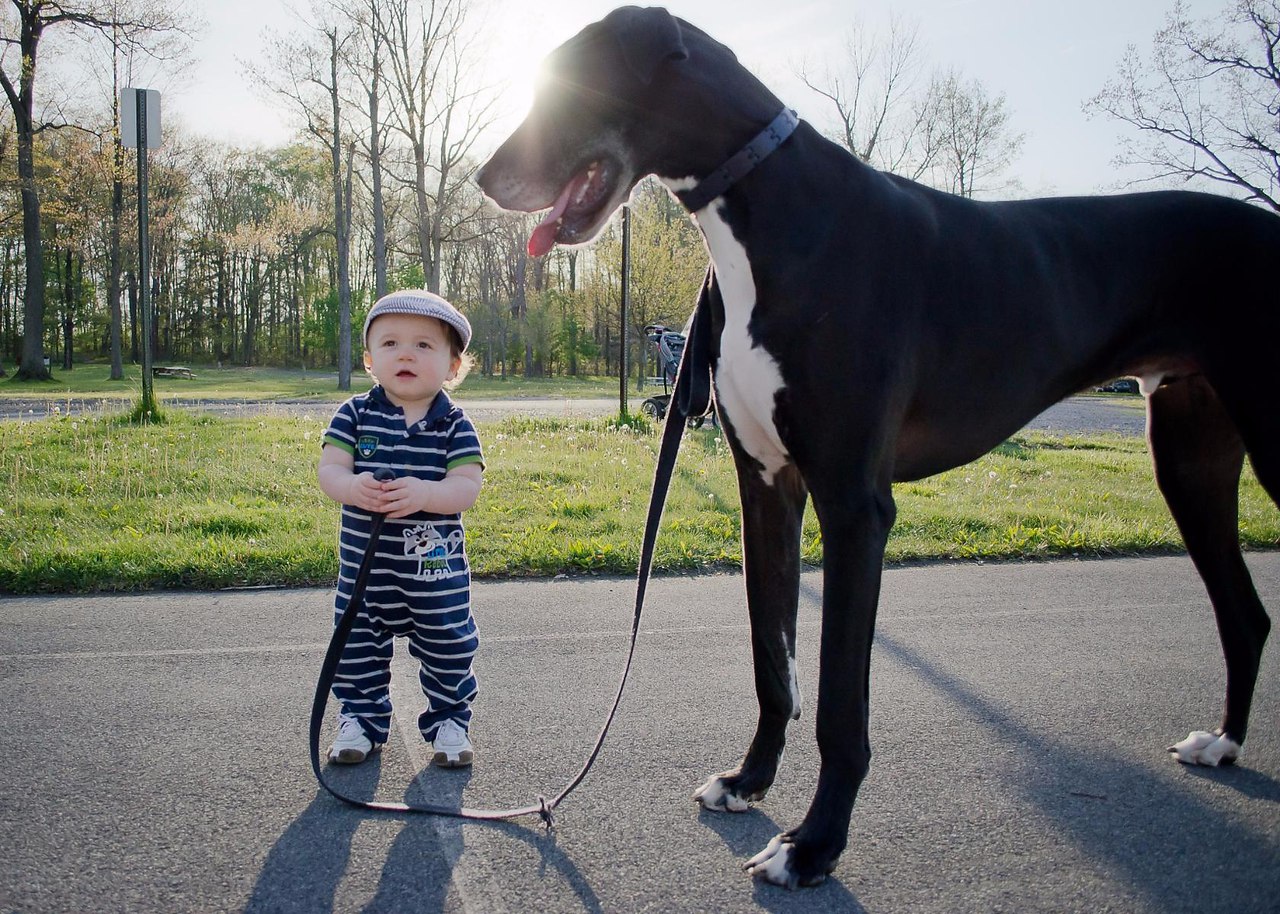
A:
x: 432, y: 550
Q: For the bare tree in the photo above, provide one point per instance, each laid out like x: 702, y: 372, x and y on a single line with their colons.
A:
x: 1206, y: 102
x: 307, y: 69
x: 974, y: 141
x: 366, y: 63
x: 116, y: 62
x: 24, y: 27
x: 948, y: 132
x: 871, y: 91
x: 440, y: 110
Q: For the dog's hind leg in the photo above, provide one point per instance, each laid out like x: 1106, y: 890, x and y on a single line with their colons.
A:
x: 772, y: 515
x: 1198, y: 454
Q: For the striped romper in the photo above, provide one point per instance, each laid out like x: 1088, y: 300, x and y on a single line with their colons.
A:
x: 420, y: 584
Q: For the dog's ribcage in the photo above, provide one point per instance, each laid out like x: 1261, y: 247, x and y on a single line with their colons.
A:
x: 747, y: 377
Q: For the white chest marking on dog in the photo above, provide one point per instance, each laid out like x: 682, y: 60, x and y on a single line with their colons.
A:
x: 747, y: 378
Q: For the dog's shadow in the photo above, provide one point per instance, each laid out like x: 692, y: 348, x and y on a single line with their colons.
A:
x: 1253, y: 784
x: 1155, y: 813
x: 745, y: 834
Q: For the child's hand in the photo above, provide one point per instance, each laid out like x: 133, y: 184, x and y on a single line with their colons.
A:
x: 406, y: 495
x: 366, y: 492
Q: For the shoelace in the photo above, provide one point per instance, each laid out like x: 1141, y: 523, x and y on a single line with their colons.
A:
x: 346, y: 726
x: 450, y: 734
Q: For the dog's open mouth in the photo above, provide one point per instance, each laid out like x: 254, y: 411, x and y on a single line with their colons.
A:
x: 579, y: 209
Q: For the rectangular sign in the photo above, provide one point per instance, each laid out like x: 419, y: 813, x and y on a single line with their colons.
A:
x: 129, y: 118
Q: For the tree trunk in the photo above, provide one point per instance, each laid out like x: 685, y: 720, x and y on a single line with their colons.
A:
x: 33, y: 308
x: 424, y: 217
x: 341, y: 225
x: 113, y: 280
x: 375, y: 167
x: 131, y: 283
x: 23, y: 104
x: 68, y: 309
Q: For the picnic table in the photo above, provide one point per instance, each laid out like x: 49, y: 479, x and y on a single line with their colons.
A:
x: 172, y: 371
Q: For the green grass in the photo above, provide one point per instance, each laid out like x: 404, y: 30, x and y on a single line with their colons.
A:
x: 92, y: 381
x: 97, y: 504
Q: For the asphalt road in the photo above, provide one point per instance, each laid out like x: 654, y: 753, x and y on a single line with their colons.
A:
x: 155, y: 754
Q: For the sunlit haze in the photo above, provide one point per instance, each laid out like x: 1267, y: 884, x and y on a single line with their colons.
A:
x: 1046, y: 58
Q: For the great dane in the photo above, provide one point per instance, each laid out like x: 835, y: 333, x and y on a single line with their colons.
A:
x: 869, y: 330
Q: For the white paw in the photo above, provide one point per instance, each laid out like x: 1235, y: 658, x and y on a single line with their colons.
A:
x: 1203, y: 748
x: 715, y: 795
x: 773, y: 864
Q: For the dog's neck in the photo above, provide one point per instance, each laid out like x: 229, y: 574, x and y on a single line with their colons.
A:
x: 739, y: 165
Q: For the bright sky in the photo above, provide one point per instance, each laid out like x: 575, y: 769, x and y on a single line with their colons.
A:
x: 1047, y: 58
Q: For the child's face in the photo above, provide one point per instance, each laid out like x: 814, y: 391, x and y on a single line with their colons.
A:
x: 410, y: 356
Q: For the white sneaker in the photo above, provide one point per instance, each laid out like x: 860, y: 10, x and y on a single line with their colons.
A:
x: 351, y: 747
x: 451, y: 748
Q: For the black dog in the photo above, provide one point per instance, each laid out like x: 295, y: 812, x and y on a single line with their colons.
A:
x: 870, y: 330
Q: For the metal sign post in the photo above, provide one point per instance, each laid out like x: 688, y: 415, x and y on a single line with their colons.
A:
x: 140, y: 127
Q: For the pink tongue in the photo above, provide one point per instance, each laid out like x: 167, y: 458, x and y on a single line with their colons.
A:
x: 543, y: 238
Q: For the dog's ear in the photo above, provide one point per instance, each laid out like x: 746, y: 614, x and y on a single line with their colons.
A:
x: 649, y: 37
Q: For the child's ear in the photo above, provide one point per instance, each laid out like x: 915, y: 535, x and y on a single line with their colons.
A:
x: 368, y: 361
x: 454, y: 365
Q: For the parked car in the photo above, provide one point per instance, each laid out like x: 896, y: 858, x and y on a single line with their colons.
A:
x: 1119, y: 386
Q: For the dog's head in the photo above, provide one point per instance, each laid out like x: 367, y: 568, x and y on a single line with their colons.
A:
x: 639, y: 92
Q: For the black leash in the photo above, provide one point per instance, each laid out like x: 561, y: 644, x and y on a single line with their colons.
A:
x: 692, y: 397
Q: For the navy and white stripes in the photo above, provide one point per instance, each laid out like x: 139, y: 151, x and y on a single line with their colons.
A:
x: 420, y: 584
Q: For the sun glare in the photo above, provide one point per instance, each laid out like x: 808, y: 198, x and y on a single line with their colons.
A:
x: 522, y: 40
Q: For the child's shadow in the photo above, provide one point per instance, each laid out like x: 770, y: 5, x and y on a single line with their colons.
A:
x: 419, y: 867
x: 305, y: 866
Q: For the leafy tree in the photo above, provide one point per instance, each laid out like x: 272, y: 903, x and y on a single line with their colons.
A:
x: 25, y: 23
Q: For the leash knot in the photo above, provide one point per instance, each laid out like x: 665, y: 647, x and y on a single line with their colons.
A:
x: 544, y: 812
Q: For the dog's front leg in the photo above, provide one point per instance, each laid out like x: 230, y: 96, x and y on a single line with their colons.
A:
x: 772, y: 516
x: 855, y: 529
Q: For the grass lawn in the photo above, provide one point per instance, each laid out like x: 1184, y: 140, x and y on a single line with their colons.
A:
x: 94, y: 504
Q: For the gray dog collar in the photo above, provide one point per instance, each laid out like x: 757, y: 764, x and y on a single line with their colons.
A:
x: 741, y: 163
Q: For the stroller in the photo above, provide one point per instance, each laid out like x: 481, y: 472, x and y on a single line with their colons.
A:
x: 670, y: 346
